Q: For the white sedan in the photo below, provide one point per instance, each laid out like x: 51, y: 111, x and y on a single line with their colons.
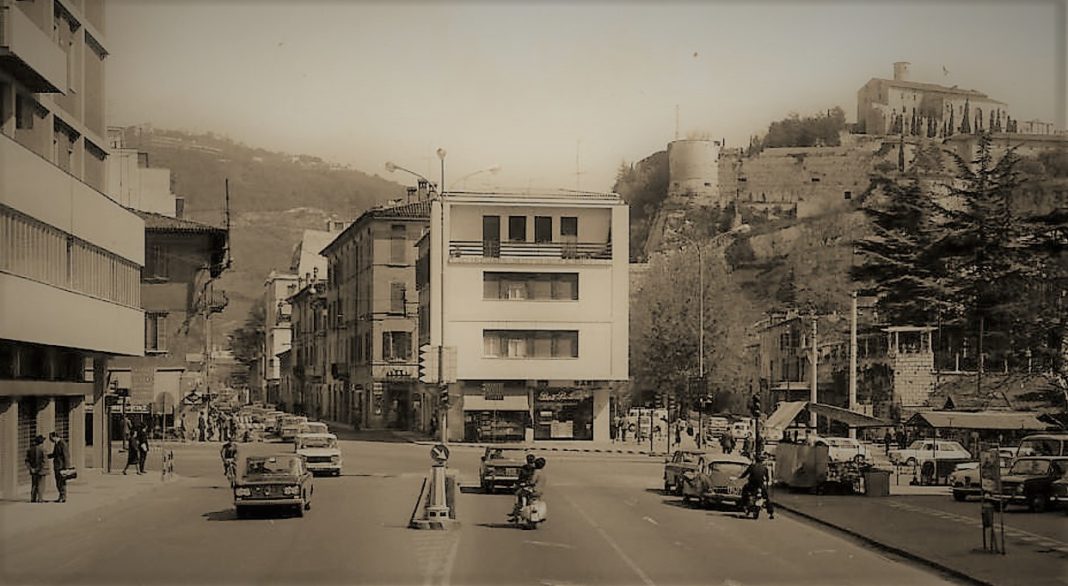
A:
x: 925, y: 450
x: 842, y: 449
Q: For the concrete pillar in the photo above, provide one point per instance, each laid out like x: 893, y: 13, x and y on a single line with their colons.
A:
x: 77, y: 431
x: 101, y: 438
x: 46, y: 415
x: 10, y: 459
x: 602, y: 417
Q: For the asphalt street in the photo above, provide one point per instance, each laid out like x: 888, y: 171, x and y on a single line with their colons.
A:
x: 608, y: 524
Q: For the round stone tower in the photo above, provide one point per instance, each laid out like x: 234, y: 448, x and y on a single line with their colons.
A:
x: 693, y: 170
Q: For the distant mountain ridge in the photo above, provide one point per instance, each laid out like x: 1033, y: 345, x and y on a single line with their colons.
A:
x: 274, y: 197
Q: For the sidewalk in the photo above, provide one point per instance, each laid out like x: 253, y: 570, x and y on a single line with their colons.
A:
x: 93, y: 490
x: 948, y: 542
x: 660, y: 446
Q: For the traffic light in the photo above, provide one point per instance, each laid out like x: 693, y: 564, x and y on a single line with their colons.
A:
x: 754, y: 406
x: 428, y: 363
x: 443, y: 398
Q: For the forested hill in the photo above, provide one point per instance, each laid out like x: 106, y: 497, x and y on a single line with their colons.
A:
x: 274, y: 197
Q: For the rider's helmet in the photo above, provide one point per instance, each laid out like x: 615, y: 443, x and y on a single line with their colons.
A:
x: 539, y: 463
x: 530, y: 459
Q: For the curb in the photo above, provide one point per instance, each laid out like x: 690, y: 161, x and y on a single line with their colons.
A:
x: 423, y: 442
x: 887, y: 547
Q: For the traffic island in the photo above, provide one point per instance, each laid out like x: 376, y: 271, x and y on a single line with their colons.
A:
x: 947, y: 542
x: 436, y: 506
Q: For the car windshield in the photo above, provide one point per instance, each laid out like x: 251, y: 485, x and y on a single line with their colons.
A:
x: 501, y: 454
x: 729, y: 468
x: 841, y: 443
x: 315, y: 427
x: 689, y: 458
x: 271, y: 466
x: 1030, y: 467
x: 1040, y: 447
x: 919, y: 444
x: 318, y: 442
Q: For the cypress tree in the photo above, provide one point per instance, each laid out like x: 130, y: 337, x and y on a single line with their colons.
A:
x: 965, y: 125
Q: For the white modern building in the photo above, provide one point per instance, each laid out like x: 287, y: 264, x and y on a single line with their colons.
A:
x: 530, y: 294
x: 70, y: 256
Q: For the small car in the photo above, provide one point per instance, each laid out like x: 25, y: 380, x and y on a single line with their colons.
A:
x: 681, y: 461
x: 290, y: 427
x: 719, y: 482
x: 1030, y: 481
x: 272, y: 480
x: 844, y: 449
x: 500, y: 468
x: 320, y: 451
x: 965, y: 479
x: 925, y: 450
x: 314, y: 427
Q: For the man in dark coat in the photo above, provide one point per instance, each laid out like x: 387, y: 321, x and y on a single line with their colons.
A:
x: 60, y: 459
x: 37, y: 462
x: 142, y: 447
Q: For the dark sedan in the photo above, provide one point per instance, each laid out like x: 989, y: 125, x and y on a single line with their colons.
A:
x: 277, y: 480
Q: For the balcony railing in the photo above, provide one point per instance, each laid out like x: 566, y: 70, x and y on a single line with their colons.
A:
x: 535, y: 250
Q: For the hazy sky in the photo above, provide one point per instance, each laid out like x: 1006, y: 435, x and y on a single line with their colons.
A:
x: 530, y: 86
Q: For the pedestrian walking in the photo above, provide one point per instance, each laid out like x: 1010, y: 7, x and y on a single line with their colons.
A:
x: 37, y: 462
x: 678, y: 435
x: 887, y: 440
x: 133, y: 454
x: 142, y: 449
x: 201, y: 427
x: 60, y: 461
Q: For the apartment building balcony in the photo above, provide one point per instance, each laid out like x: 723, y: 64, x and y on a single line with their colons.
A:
x: 538, y: 252
x: 28, y: 53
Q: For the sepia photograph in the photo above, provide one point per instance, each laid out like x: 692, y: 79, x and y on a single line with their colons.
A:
x: 524, y: 293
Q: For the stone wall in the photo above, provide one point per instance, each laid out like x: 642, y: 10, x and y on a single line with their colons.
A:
x: 913, y: 378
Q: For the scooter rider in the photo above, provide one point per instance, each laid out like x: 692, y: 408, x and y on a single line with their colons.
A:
x: 229, y: 455
x: 756, y: 476
x: 532, y: 488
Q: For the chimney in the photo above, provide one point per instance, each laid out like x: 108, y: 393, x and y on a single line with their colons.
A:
x: 411, y: 194
x: 179, y: 207
x: 901, y: 71
x: 422, y: 191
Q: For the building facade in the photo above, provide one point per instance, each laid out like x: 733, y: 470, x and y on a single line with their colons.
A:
x: 277, y: 334
x: 70, y: 256
x: 182, y: 259
x: 528, y: 295
x: 309, y: 391
x: 372, y: 319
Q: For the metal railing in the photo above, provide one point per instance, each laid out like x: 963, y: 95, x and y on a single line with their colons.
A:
x: 545, y: 250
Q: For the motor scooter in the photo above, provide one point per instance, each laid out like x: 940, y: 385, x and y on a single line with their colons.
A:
x: 754, y: 502
x: 532, y: 512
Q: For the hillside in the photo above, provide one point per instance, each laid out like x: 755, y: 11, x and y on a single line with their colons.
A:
x: 273, y: 198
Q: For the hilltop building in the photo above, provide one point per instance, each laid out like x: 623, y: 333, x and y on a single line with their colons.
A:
x: 70, y: 256
x: 527, y: 295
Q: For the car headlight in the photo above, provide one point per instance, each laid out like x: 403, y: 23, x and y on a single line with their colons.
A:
x: 291, y: 490
x: 1019, y: 489
x: 335, y: 459
x: 242, y: 491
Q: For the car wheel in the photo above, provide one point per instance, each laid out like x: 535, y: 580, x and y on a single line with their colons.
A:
x: 307, y: 502
x: 667, y: 486
x: 242, y: 512
x: 959, y: 496
x: 1037, y: 504
x: 911, y: 461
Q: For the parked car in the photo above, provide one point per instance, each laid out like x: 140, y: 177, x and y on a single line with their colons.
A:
x: 500, y: 468
x: 320, y: 452
x: 680, y: 463
x: 1030, y: 481
x: 1044, y: 444
x: 844, y: 449
x: 314, y: 427
x: 741, y: 430
x: 272, y: 480
x: 925, y: 450
x: 718, y: 482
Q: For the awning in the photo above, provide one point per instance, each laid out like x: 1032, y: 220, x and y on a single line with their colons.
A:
x: 505, y: 403
x: 997, y: 420
x: 785, y: 415
x: 850, y: 418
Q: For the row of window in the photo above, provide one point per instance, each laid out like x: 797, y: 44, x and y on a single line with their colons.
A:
x: 517, y: 228
x: 530, y: 344
x: 37, y: 251
x: 530, y: 286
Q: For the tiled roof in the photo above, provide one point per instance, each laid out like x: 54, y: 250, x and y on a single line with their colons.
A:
x: 415, y: 209
x: 161, y: 223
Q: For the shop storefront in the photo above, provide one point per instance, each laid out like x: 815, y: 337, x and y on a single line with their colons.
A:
x: 563, y: 413
x: 496, y: 412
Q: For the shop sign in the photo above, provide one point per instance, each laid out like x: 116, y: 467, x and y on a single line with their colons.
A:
x: 493, y: 391
x: 398, y: 374
x: 559, y: 394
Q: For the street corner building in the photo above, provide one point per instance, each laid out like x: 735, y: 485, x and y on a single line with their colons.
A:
x: 523, y: 300
x: 70, y: 255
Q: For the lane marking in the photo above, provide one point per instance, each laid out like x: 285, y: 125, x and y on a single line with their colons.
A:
x: 550, y: 544
x: 651, y: 520
x: 619, y: 551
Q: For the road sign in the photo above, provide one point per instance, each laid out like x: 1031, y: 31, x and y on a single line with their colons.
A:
x: 439, y: 453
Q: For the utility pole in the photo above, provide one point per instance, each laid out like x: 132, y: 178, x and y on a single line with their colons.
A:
x: 812, y: 398
x: 853, y: 361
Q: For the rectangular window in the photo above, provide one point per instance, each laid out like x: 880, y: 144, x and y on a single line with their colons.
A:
x: 543, y: 229
x: 532, y: 286
x: 155, y: 332
x: 569, y: 226
x: 517, y: 228
x: 530, y: 344
x: 396, y: 346
x: 398, y: 241
x: 396, y: 297
x: 491, y: 236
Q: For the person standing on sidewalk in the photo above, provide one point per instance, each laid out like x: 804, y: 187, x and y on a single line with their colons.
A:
x: 60, y: 460
x: 37, y: 462
x: 142, y: 449
x: 132, y: 453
